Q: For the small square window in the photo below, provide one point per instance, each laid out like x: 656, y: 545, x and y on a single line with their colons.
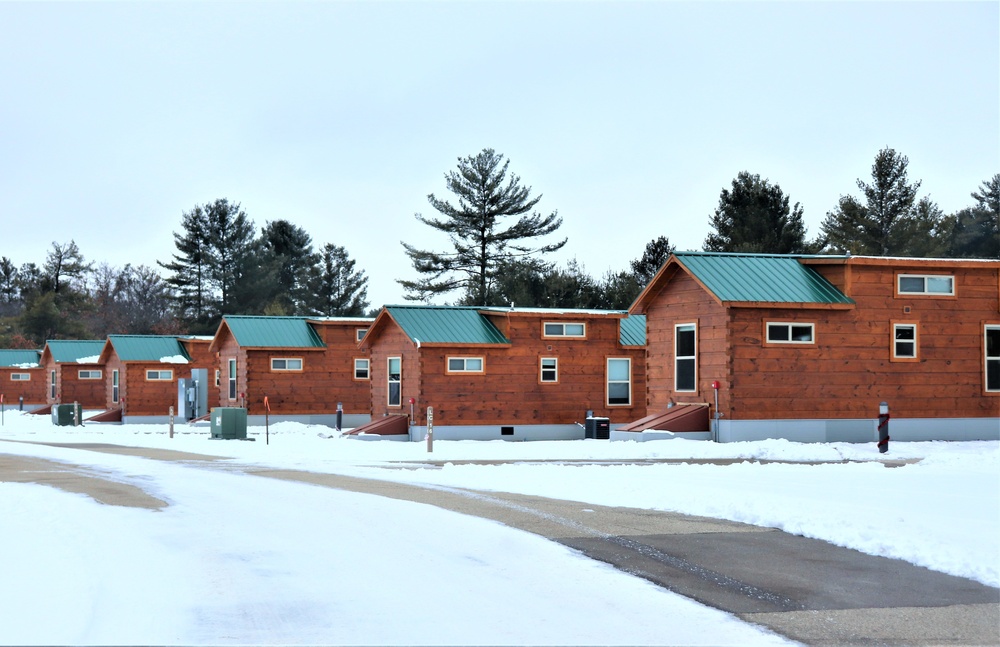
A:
x: 549, y: 369
x: 359, y: 333
x: 904, y: 344
x: 362, y: 369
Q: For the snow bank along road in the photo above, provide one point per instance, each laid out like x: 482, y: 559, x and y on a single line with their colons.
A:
x: 808, y: 590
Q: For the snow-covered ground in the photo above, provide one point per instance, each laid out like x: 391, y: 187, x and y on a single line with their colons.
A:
x: 238, y: 559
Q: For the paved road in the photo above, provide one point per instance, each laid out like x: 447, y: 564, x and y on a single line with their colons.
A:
x: 805, y: 589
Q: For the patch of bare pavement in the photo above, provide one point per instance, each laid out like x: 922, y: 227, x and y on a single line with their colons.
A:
x: 805, y: 589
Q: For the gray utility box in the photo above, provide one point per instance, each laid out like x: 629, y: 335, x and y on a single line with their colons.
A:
x: 599, y: 428
x: 229, y: 422
x: 62, y: 415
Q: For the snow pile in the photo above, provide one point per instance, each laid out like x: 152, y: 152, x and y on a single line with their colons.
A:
x: 174, y: 359
x: 90, y: 359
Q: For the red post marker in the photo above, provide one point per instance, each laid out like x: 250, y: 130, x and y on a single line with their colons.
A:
x: 267, y: 405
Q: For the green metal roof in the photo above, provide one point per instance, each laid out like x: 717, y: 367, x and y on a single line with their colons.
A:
x: 760, y: 278
x: 273, y: 332
x: 446, y: 325
x: 147, y: 348
x: 632, y: 330
x: 19, y: 358
x: 72, y: 351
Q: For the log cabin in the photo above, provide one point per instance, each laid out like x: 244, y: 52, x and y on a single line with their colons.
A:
x: 74, y: 372
x: 22, y: 379
x: 808, y: 347
x: 303, y: 366
x: 505, y: 373
x: 142, y: 373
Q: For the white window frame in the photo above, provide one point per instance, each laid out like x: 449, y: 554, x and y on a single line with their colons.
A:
x: 159, y: 375
x: 218, y: 377
x: 367, y: 369
x: 563, y: 325
x: 89, y: 374
x: 233, y: 395
x: 464, y: 361
x: 693, y: 358
x: 554, y: 369
x: 926, y: 279
x: 790, y: 326
x: 990, y: 360
x: 389, y: 381
x: 896, y: 341
x: 359, y: 334
x: 115, y: 386
x: 52, y: 386
x: 286, y: 368
x: 20, y: 377
x: 609, y: 381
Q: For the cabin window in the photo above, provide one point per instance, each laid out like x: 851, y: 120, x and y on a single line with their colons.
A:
x: 114, y: 386
x: 88, y: 375
x: 932, y: 284
x: 362, y: 369
x: 52, y: 385
x: 465, y: 365
x: 395, y: 381
x: 619, y: 381
x: 218, y: 377
x: 554, y: 329
x: 286, y: 363
x: 359, y: 333
x: 159, y: 376
x: 992, y: 350
x: 685, y: 357
x: 780, y: 332
x: 232, y: 379
x: 904, y: 341
x: 20, y: 377
x: 549, y: 369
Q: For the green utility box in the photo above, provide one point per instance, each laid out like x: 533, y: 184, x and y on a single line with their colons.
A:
x: 229, y: 422
x: 62, y: 415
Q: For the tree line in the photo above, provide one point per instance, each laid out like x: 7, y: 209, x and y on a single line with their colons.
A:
x: 496, y: 255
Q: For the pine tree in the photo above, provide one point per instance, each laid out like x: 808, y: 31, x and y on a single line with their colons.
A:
x: 755, y: 217
x: 291, y: 248
x: 334, y: 287
x: 192, y: 293
x: 884, y: 223
x: 480, y: 240
x: 653, y: 257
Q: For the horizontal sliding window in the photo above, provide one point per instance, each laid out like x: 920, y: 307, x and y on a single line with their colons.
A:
x: 934, y: 284
x: 156, y: 376
x: 89, y: 375
x: 465, y: 364
x: 554, y: 329
x: 286, y: 364
x: 790, y: 333
x: 20, y: 377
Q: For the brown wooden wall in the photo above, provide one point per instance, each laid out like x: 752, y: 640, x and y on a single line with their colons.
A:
x: 849, y: 370
x: 509, y: 391
x: 150, y: 398
x: 33, y: 390
x: 683, y: 301
x: 70, y: 388
x: 326, y: 378
x: 390, y: 341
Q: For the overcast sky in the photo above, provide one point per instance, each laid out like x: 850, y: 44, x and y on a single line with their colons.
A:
x: 628, y: 118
